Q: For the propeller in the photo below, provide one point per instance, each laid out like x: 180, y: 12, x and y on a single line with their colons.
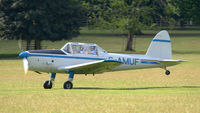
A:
x: 24, y: 55
x: 25, y: 62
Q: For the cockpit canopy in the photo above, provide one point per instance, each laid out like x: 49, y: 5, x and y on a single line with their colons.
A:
x: 83, y: 48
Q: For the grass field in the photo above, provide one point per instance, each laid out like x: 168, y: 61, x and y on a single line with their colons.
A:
x: 146, y: 90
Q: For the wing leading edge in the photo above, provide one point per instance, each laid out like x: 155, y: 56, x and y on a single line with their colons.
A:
x: 99, y: 66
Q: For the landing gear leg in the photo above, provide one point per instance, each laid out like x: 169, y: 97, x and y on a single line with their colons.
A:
x: 49, y: 83
x: 68, y: 84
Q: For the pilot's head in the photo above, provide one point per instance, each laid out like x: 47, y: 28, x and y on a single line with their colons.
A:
x: 92, y: 47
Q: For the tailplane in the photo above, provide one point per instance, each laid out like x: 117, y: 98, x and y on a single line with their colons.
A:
x: 160, y: 46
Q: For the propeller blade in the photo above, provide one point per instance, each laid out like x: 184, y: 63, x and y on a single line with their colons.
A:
x: 25, y: 62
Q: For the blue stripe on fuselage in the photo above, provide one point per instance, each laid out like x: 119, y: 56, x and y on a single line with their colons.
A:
x: 127, y: 61
x: 88, y: 58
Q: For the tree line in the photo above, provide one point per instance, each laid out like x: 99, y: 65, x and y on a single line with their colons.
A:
x: 40, y: 20
x: 56, y: 20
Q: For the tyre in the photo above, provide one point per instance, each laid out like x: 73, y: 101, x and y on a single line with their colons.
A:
x: 68, y: 85
x: 47, y: 85
x: 167, y: 72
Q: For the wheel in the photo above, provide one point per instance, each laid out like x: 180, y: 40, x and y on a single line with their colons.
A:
x: 47, y: 84
x: 68, y: 85
x: 167, y: 72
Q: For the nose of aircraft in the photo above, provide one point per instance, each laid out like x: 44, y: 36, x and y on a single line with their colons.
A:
x: 23, y: 54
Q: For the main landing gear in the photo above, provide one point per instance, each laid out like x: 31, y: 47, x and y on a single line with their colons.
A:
x: 67, y: 85
x: 49, y: 83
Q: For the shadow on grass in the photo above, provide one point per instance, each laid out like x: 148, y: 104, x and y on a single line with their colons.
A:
x: 142, y: 88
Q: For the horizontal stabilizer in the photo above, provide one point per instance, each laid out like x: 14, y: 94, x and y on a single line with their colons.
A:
x: 165, y: 62
x: 170, y: 62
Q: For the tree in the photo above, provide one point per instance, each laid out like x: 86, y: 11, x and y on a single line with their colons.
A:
x: 124, y: 15
x: 129, y: 16
x: 188, y: 10
x: 95, y: 10
x: 40, y: 20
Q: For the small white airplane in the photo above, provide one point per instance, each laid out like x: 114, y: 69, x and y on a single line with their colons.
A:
x: 87, y: 58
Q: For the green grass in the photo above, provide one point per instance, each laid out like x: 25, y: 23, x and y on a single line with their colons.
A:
x: 146, y: 90
x: 140, y: 91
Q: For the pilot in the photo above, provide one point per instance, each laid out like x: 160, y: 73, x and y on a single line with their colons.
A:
x: 93, y: 50
x: 74, y: 49
x: 81, y: 50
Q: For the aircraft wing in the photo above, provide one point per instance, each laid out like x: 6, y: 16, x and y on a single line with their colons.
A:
x: 166, y: 62
x: 99, y: 66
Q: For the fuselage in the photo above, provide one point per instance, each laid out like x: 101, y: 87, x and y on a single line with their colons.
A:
x: 50, y: 60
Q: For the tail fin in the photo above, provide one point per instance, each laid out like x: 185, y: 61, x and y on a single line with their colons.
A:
x: 160, y: 46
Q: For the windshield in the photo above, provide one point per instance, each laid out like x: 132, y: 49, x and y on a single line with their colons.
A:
x: 83, y: 48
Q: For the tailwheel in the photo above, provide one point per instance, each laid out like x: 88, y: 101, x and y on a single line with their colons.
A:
x: 68, y: 85
x: 167, y: 72
x: 47, y: 84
